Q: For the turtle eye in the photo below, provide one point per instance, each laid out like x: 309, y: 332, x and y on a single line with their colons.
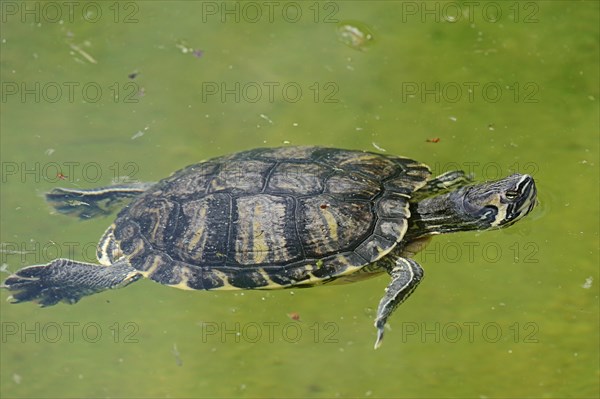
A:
x: 512, y: 194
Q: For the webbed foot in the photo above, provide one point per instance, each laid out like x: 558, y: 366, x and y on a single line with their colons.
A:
x: 90, y: 203
x: 66, y: 280
x: 406, y: 275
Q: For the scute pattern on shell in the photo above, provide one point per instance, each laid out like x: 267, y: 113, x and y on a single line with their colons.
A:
x: 270, y: 217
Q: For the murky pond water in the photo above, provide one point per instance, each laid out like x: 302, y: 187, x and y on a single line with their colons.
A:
x: 139, y: 89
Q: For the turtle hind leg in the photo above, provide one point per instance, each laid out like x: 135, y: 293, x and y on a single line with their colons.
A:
x: 66, y: 280
x: 87, y: 204
x: 406, y: 275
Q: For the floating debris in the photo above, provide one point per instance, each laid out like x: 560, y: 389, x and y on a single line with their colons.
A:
x: 377, y: 146
x: 588, y: 283
x: 433, y: 140
x: 294, y: 316
x: 177, y: 356
x: 182, y: 45
x: 353, y: 34
x: 137, y: 135
x: 140, y: 133
x: 185, y: 49
x: 133, y: 75
x: 49, y: 151
x: 83, y: 53
x: 265, y: 117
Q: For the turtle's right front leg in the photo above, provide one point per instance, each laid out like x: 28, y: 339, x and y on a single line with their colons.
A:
x: 66, y: 280
x: 90, y: 203
x: 406, y: 275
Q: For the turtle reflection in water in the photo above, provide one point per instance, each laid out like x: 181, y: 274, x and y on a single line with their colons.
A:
x: 274, y: 218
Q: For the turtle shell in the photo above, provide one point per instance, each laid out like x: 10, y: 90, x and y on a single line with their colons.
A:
x: 270, y: 218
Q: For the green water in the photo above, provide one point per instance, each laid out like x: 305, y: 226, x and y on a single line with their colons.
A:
x: 506, y: 314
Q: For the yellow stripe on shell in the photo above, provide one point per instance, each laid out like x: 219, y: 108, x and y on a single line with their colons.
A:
x: 331, y: 222
x: 259, y: 244
x: 103, y: 244
x: 152, y: 268
x: 198, y: 234
x: 183, y: 284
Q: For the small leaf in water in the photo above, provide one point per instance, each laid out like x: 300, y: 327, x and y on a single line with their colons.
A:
x: 356, y: 35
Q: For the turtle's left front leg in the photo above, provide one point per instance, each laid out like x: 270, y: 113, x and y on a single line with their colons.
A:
x: 442, y: 184
x: 406, y: 275
x: 67, y: 280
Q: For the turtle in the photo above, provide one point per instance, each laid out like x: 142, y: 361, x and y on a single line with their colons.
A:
x: 270, y: 218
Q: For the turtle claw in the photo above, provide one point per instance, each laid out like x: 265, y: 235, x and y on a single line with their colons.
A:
x: 379, y: 337
x: 30, y: 284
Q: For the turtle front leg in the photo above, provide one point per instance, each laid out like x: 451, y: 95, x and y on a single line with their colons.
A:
x: 90, y: 203
x: 66, y: 280
x: 441, y: 184
x: 406, y: 275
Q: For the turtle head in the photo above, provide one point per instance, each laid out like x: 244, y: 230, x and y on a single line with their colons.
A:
x: 498, y: 203
x: 482, y: 206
